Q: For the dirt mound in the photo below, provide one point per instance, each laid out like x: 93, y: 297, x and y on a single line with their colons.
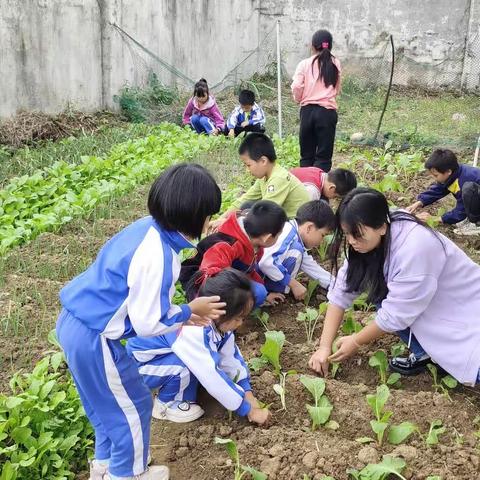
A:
x: 27, y: 128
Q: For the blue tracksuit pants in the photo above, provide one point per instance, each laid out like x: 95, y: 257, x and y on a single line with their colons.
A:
x: 116, y: 401
x: 202, y: 124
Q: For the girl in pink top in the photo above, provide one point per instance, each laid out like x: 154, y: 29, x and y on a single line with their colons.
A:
x: 316, y: 84
x: 202, y: 112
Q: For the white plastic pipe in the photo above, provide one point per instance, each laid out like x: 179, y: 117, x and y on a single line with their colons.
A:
x: 475, y: 157
x: 279, y: 81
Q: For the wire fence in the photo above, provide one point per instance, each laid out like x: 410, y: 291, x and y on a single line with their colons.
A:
x: 427, y: 106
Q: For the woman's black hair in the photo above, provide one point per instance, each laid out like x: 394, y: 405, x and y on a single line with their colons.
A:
x: 365, y: 273
x: 322, y: 43
x: 201, y: 88
x: 182, y: 198
x: 234, y: 288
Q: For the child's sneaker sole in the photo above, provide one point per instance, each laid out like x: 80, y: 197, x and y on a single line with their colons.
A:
x: 177, y: 415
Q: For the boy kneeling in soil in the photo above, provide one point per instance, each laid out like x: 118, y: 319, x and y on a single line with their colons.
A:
x: 463, y: 182
x: 175, y: 363
x: 239, y: 243
x: 319, y: 184
x: 281, y: 263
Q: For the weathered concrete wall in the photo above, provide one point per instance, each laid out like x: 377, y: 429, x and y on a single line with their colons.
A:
x: 56, y: 52
x: 49, y: 55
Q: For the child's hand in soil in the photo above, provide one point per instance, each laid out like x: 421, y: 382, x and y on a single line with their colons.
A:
x: 205, y: 309
x: 423, y: 216
x: 347, y: 346
x: 252, y: 400
x: 260, y: 416
x: 274, y: 298
x: 214, y: 225
x: 298, y: 290
x: 244, y: 124
x: 319, y: 361
x: 231, y: 133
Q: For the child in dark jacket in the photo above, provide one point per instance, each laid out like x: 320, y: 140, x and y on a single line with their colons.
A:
x: 239, y: 243
x: 462, y: 181
x: 202, y: 112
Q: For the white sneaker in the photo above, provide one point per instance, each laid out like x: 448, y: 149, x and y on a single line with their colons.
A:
x: 98, y: 471
x: 175, y: 411
x: 157, y: 472
x: 468, y: 228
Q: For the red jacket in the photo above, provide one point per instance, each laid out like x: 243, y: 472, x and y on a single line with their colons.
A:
x: 313, y: 175
x: 237, y: 253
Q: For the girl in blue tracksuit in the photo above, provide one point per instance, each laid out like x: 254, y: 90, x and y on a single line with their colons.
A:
x: 127, y: 291
x: 176, y: 362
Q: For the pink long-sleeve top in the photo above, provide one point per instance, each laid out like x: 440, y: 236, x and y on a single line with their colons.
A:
x: 308, y: 89
x: 208, y: 109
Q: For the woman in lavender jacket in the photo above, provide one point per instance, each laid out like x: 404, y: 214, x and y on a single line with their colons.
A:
x: 426, y: 287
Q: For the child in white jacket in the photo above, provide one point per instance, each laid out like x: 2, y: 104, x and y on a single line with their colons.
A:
x: 281, y: 263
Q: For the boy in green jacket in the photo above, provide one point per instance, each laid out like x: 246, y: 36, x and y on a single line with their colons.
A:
x: 273, y: 183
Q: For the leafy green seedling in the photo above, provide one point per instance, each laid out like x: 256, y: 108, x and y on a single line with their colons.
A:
x: 360, y: 303
x: 263, y: 317
x: 309, y: 318
x: 311, y: 287
x: 322, y: 250
x: 240, y: 470
x: 350, y: 325
x: 398, y: 349
x: 320, y: 412
x: 397, y: 433
x: 380, y: 471
x: 281, y: 388
x: 377, y: 403
x: 379, y: 361
x: 271, y: 349
x: 446, y: 383
x: 434, y: 477
x: 436, y: 429
x: 336, y: 366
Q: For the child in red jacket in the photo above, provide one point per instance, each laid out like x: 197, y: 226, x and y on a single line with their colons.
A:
x: 239, y: 243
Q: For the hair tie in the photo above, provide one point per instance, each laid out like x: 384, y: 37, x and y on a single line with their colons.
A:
x: 324, y: 44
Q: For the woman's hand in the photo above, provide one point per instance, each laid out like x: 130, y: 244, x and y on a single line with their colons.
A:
x: 347, y: 346
x: 260, y: 416
x: 319, y: 360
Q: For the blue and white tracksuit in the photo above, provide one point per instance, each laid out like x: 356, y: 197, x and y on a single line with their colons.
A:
x: 175, y: 363
x: 256, y: 116
x: 282, y: 262
x: 127, y: 291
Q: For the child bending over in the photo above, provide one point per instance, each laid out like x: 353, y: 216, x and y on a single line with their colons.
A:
x: 239, y: 243
x: 248, y: 116
x: 127, y: 291
x: 273, y: 183
x: 205, y: 355
x: 281, y: 263
x: 202, y: 112
x: 463, y: 182
x: 319, y: 184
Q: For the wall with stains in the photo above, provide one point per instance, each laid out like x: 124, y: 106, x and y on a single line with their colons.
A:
x: 59, y: 52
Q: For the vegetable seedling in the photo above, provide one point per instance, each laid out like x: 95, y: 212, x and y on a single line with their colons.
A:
x: 281, y: 388
x: 350, y: 325
x: 379, y: 361
x: 336, y: 366
x: 380, y: 471
x: 310, y: 318
x: 322, y: 250
x: 311, y: 287
x: 436, y: 429
x: 321, y: 411
x: 263, y: 317
x: 442, y: 386
x: 240, y: 470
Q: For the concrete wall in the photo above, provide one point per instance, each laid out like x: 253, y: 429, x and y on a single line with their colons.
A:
x: 56, y: 52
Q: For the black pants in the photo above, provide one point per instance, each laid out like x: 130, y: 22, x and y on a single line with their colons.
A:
x: 471, y: 201
x: 317, y: 136
x: 249, y: 128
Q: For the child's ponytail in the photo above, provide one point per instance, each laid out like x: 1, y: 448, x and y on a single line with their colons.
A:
x: 322, y: 43
x: 200, y: 88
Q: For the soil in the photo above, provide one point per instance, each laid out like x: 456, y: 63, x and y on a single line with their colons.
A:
x: 288, y: 449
